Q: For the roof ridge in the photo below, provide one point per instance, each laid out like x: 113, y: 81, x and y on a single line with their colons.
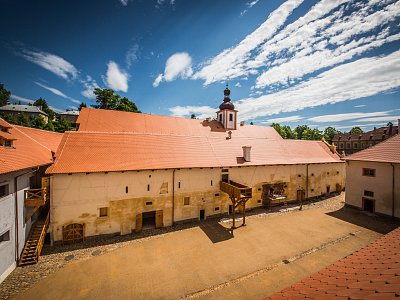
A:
x: 32, y: 138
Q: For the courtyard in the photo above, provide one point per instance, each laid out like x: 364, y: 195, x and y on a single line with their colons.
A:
x: 203, y: 260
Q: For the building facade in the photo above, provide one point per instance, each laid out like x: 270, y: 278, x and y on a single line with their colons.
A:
x: 351, y: 143
x: 123, y: 172
x: 23, y: 162
x: 373, y: 178
x: 30, y: 111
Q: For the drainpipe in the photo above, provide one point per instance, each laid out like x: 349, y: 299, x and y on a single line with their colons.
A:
x: 306, y: 181
x: 16, y: 211
x: 392, y: 190
x: 173, y: 196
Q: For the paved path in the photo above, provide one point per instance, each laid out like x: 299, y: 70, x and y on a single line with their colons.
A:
x: 192, y: 262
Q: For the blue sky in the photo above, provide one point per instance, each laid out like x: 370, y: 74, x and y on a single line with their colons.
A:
x: 327, y: 62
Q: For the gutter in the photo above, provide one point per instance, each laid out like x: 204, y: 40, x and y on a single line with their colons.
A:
x: 16, y: 211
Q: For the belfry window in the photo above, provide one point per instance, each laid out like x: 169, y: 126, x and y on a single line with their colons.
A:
x: 231, y: 117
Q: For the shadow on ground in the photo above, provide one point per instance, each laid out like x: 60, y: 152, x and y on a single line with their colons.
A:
x: 366, y: 220
x: 216, y: 232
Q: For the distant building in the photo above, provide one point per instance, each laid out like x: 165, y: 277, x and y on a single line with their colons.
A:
x: 71, y: 116
x: 352, y: 143
x: 30, y: 111
x: 373, y: 178
x: 25, y: 153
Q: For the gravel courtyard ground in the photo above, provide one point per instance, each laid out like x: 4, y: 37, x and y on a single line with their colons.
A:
x: 202, y: 260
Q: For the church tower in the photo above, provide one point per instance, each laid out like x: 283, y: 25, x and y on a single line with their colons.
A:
x: 227, y: 113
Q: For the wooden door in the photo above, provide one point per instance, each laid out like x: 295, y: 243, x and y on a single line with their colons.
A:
x: 139, y: 223
x: 300, y: 195
x: 73, y: 233
x: 159, y: 219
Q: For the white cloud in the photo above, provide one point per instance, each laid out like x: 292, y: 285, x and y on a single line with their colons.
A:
x: 90, y: 84
x: 238, y: 84
x: 131, y: 56
x: 228, y: 63
x: 361, y: 78
x: 347, y: 116
x: 380, y: 119
x: 249, y: 5
x: 359, y: 106
x: 178, y: 65
x: 116, y: 79
x: 201, y: 112
x: 316, y: 54
x: 124, y: 2
x: 22, y: 99
x: 158, y: 80
x: 284, y: 120
x: 50, y: 62
x: 57, y: 92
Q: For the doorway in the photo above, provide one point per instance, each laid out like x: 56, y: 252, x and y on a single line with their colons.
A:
x: 149, y: 220
x: 202, y: 214
x: 369, y: 205
x: 230, y: 209
x: 328, y: 189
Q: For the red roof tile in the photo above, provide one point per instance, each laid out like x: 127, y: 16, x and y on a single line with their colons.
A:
x: 117, y: 141
x: 31, y: 148
x: 386, y: 151
x: 377, y: 275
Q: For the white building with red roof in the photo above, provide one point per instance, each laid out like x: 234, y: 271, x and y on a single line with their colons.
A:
x: 373, y: 178
x: 25, y: 153
x: 122, y: 172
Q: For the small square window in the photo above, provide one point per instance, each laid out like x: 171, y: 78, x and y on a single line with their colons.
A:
x: 299, y: 175
x: 5, y: 236
x: 216, y: 194
x: 369, y: 193
x: 369, y: 172
x: 103, y: 212
x: 216, y: 209
x: 4, y: 190
x: 148, y: 203
x: 186, y: 200
x: 258, y: 201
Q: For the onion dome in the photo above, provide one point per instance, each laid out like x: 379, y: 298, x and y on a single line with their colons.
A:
x: 227, y: 104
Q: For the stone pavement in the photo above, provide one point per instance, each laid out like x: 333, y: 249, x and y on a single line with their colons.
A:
x: 270, y: 253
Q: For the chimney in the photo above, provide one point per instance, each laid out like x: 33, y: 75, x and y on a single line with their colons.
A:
x: 246, y: 152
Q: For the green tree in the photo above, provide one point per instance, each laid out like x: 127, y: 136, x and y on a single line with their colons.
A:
x: 42, y: 104
x: 311, y: 134
x: 299, y: 131
x: 193, y: 116
x: 38, y: 122
x: 9, y: 118
x: 4, y: 95
x: 83, y: 104
x: 107, y: 99
x: 22, y: 120
x: 279, y: 129
x: 289, y: 133
x: 62, y: 125
x: 389, y: 124
x: 356, y: 130
x: 329, y: 133
x: 49, y: 126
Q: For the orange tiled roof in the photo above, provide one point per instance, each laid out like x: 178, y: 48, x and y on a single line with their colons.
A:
x: 101, y: 120
x: 386, y: 151
x: 370, y: 273
x: 31, y: 148
x: 117, y: 141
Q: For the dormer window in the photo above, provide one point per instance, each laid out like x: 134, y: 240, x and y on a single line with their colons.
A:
x: 6, y: 143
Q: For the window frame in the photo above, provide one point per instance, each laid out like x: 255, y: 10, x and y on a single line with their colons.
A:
x: 368, y: 172
x: 186, y: 200
x: 102, y: 215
